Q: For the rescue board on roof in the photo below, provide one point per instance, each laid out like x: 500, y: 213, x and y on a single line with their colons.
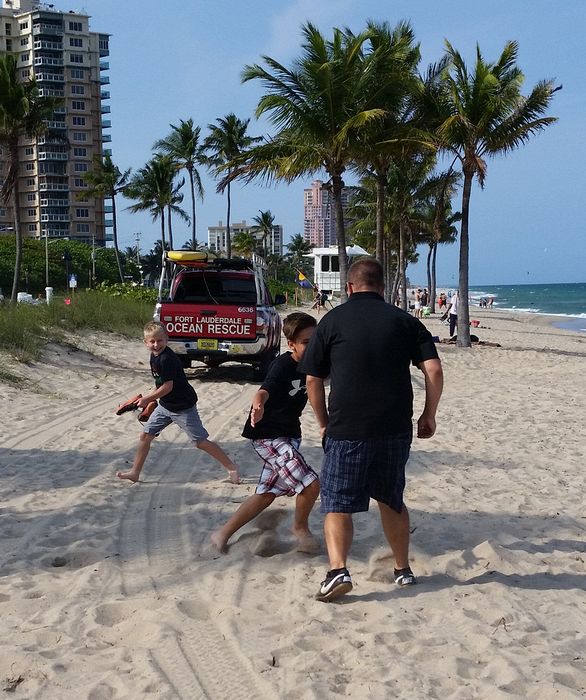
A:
x: 187, y: 256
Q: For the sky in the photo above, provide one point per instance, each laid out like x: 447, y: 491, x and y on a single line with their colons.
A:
x: 176, y: 59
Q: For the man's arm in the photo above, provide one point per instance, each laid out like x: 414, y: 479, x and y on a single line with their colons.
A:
x: 317, y: 398
x: 434, y: 384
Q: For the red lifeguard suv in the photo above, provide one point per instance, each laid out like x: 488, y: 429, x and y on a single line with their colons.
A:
x: 219, y: 310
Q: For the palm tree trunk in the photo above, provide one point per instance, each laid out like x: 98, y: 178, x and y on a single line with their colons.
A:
x: 193, y: 225
x: 432, y: 289
x: 337, y: 185
x: 428, y: 265
x: 170, y: 228
x: 380, y: 217
x: 228, y: 240
x: 16, y: 213
x: 402, y: 265
x: 115, y: 237
x: 463, y: 310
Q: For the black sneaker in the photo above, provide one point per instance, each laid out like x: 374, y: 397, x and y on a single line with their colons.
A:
x: 337, y: 583
x: 405, y: 577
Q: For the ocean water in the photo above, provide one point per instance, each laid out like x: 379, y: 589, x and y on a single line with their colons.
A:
x: 568, y: 301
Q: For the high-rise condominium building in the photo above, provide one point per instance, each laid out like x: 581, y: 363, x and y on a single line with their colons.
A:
x: 319, y: 227
x: 217, y: 236
x: 58, y: 50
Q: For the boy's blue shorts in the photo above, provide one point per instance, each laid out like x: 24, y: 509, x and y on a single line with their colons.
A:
x: 354, y: 471
x: 188, y: 420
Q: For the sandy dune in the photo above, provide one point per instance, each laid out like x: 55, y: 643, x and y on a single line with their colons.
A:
x: 110, y: 590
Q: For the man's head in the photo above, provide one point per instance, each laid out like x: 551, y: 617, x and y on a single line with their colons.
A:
x: 298, y: 328
x: 155, y: 337
x: 366, y: 275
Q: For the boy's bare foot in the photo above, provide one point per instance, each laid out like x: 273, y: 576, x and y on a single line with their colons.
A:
x: 306, y: 542
x: 234, y: 476
x: 219, y: 542
x: 131, y: 476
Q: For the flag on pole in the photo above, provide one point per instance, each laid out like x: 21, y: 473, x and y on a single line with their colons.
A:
x: 302, y: 281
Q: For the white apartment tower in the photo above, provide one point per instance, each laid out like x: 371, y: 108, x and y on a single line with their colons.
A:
x: 66, y: 59
x: 217, y: 236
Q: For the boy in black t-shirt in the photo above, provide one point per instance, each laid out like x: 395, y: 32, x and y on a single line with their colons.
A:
x: 177, y: 400
x: 275, y: 430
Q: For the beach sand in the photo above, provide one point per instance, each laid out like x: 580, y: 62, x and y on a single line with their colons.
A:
x: 110, y: 590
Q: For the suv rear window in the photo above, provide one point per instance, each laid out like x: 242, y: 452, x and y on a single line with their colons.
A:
x: 212, y: 287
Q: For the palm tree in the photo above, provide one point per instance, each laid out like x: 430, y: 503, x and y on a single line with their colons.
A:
x: 318, y: 106
x: 263, y: 224
x: 23, y: 115
x: 184, y: 147
x: 226, y: 141
x: 106, y: 180
x: 244, y: 243
x: 483, y: 113
x: 154, y: 188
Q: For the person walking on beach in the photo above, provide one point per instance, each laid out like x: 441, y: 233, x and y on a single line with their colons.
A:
x: 366, y: 347
x: 453, y: 313
x: 275, y: 430
x: 177, y: 404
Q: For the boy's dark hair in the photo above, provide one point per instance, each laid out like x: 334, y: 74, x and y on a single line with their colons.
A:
x: 296, y: 322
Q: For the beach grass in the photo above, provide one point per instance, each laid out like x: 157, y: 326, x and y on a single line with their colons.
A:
x: 25, y: 328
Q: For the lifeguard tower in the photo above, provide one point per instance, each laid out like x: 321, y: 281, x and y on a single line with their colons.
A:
x: 326, y: 266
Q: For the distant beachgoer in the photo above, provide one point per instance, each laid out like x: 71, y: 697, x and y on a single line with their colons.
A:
x: 453, y: 312
x: 367, y: 424
x: 490, y: 302
x: 177, y: 404
x: 417, y: 307
x: 273, y: 426
x: 424, y: 298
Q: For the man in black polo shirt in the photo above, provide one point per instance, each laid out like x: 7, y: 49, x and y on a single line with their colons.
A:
x: 366, y: 347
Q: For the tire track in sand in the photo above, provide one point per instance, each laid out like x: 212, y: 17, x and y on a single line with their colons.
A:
x: 195, y: 657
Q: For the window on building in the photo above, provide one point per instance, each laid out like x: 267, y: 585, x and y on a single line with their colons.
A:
x: 83, y: 228
x: 24, y: 41
x: 30, y: 166
x: 80, y: 152
x: 76, y: 57
x: 77, y: 90
x: 31, y: 212
x: 30, y: 181
x: 77, y: 73
x: 8, y: 29
x: 23, y: 25
x: 31, y: 197
x: 25, y: 73
x: 24, y: 57
x: 76, y: 41
x: 75, y: 27
x: 78, y: 121
x: 32, y: 228
x: 82, y: 213
x: 79, y: 182
x: 9, y: 45
x: 79, y: 136
x: 78, y: 104
x: 29, y: 151
x: 81, y: 167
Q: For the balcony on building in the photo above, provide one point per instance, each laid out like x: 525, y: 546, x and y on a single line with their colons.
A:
x: 106, y: 138
x: 105, y: 94
x: 51, y: 92
x: 104, y: 80
x: 47, y: 61
x: 104, y: 65
x: 55, y: 217
x: 42, y: 28
x: 106, y: 124
x: 50, y: 77
x: 52, y: 155
x: 109, y: 223
x: 109, y: 237
x: 107, y: 151
x: 47, y: 185
x: 104, y: 45
x: 57, y: 125
x: 105, y: 109
x: 54, y: 202
x: 48, y: 45
x: 108, y: 209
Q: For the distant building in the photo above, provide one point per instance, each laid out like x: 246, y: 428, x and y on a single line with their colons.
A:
x: 59, y: 51
x: 319, y: 227
x: 217, y: 236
